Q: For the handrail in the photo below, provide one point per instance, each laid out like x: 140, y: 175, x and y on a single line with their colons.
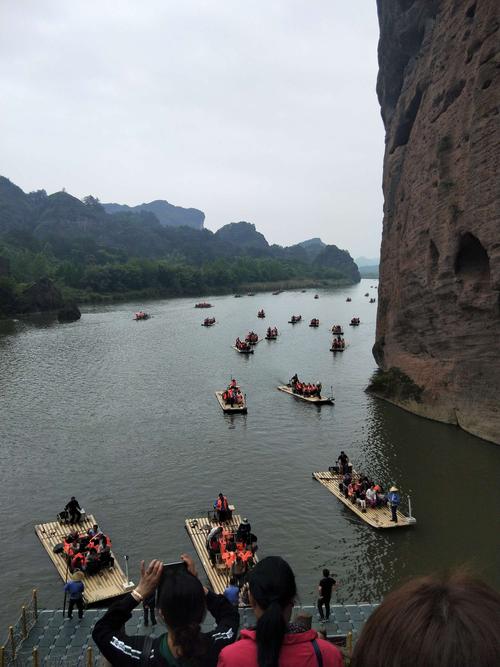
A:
x: 18, y: 632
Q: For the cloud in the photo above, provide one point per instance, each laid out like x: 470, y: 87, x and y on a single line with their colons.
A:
x: 262, y: 111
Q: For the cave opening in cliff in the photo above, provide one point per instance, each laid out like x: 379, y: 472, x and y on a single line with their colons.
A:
x: 472, y: 262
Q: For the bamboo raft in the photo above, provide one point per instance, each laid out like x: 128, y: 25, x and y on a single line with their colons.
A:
x: 242, y: 351
x: 198, y: 529
x: 104, y: 585
x: 232, y: 409
x: 317, y: 400
x: 379, y: 517
x: 337, y: 349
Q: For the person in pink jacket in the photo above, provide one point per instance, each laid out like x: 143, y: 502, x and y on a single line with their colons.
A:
x: 275, y: 642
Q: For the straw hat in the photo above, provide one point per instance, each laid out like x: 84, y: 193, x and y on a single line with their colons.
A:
x: 393, y: 488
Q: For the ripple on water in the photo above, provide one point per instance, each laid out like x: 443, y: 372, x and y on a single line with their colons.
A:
x: 123, y: 415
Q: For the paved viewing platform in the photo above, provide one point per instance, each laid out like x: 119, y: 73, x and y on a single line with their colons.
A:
x: 61, y: 642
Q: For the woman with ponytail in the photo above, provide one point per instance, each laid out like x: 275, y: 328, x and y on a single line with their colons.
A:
x: 182, y: 605
x: 275, y: 642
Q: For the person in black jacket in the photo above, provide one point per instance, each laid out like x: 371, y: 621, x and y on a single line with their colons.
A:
x: 183, y: 602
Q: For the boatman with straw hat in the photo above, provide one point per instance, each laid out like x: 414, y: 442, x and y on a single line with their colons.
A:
x: 393, y: 498
x: 75, y: 588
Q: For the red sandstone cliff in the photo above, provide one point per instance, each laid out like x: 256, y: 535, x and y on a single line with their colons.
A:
x: 439, y: 296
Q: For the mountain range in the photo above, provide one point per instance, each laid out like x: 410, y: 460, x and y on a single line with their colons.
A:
x: 89, y: 232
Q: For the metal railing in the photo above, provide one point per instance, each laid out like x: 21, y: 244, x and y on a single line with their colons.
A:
x: 18, y: 632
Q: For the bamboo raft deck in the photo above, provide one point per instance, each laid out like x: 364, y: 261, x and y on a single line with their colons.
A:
x: 232, y: 409
x: 379, y: 517
x: 337, y: 349
x: 106, y: 584
x: 242, y: 351
x: 198, y: 529
x: 317, y: 400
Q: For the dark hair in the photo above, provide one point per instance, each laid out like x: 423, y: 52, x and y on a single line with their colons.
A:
x: 433, y: 621
x: 272, y: 585
x: 232, y: 580
x: 326, y: 572
x: 183, y: 605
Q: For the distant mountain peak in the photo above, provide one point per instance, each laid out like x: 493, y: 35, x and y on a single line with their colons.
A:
x: 168, y: 214
x: 316, y: 241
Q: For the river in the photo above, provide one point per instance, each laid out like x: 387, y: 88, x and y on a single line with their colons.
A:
x: 123, y: 415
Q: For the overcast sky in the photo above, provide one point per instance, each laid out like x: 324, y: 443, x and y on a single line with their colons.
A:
x: 263, y: 110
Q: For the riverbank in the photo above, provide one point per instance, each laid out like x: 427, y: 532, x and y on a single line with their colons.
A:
x: 85, y: 297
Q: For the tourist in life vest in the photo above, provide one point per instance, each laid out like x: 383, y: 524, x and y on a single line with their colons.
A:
x: 274, y: 642
x: 221, y: 506
x: 393, y: 499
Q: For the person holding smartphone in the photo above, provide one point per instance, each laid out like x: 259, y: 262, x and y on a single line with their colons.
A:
x: 182, y: 604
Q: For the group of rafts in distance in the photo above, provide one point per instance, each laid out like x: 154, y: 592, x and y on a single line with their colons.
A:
x: 233, y: 401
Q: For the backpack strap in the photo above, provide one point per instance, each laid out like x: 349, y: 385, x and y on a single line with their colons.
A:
x: 146, y: 650
x: 319, y: 656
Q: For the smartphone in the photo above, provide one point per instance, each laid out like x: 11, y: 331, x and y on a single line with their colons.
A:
x: 170, y: 570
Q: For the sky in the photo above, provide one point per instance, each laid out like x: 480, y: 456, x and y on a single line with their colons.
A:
x: 263, y: 111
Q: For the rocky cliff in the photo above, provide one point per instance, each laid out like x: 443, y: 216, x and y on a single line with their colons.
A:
x: 438, y: 326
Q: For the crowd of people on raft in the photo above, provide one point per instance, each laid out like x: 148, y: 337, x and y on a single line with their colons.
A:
x: 354, y: 321
x: 272, y: 332
x: 252, y: 338
x: 314, y: 322
x: 261, y: 314
x: 338, y: 343
x: 337, y: 329
x: 141, y: 315
x: 295, y: 318
x: 364, y: 491
x: 305, y: 388
x: 89, y: 551
x: 208, y: 321
x: 242, y: 345
x: 232, y: 395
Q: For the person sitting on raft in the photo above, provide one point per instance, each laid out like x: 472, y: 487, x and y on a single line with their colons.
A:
x: 221, y: 507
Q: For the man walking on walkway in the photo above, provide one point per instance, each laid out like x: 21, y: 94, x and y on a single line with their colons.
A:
x: 326, y: 585
x: 75, y: 589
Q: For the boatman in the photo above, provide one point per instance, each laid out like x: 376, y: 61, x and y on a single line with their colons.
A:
x: 75, y: 588
x: 393, y: 498
x: 74, y: 510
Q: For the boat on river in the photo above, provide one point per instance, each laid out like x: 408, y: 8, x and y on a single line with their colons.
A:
x: 337, y: 330
x: 203, y: 304
x: 261, y: 314
x: 378, y: 517
x: 372, y: 300
x: 338, y: 345
x: 208, y: 322
x: 316, y: 296
x: 238, y: 406
x: 242, y: 347
x: 355, y: 322
x: 317, y: 400
x: 348, y: 300
x: 252, y: 338
x: 106, y: 584
x: 272, y: 333
x: 198, y: 529
x: 314, y: 323
x: 294, y: 319
x: 141, y: 315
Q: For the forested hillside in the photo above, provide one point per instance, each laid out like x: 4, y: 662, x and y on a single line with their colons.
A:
x: 88, y: 252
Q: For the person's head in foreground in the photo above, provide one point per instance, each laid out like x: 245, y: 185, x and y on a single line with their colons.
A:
x: 182, y: 605
x: 271, y: 592
x: 433, y: 622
